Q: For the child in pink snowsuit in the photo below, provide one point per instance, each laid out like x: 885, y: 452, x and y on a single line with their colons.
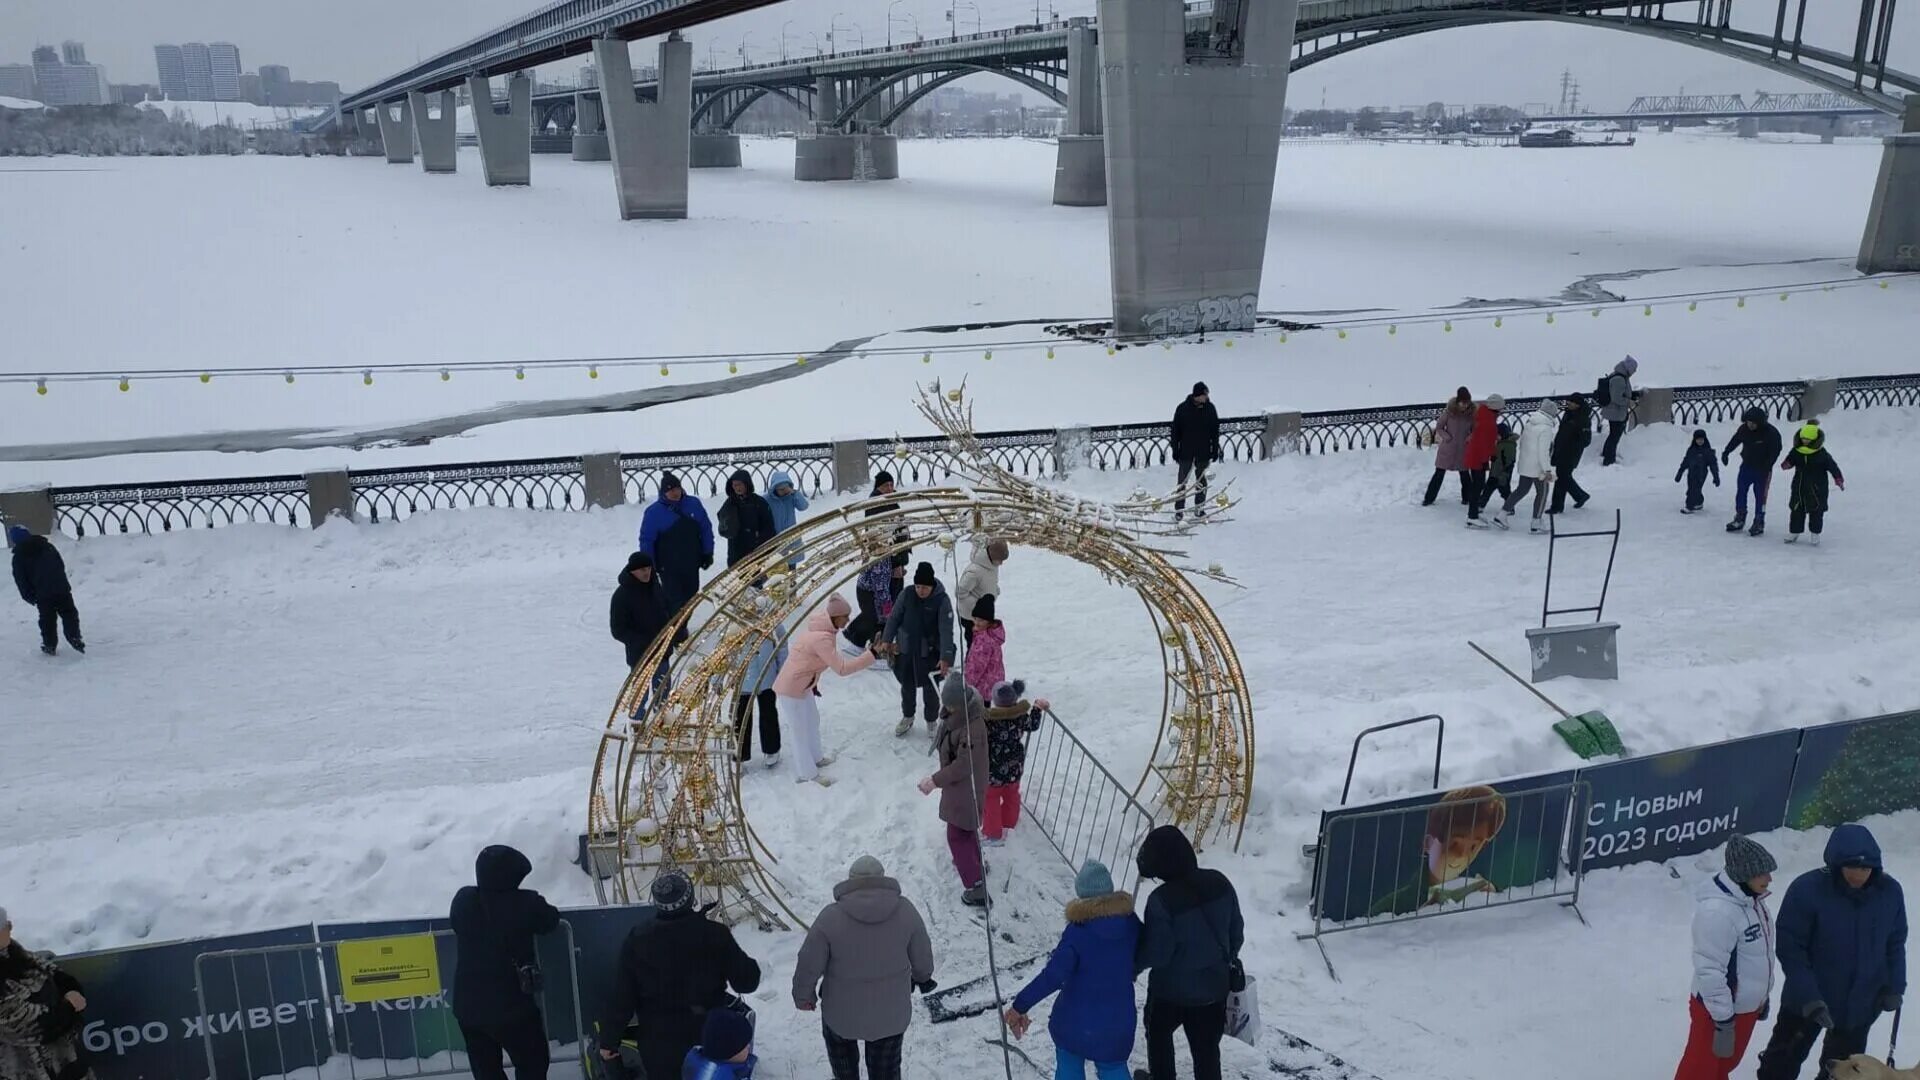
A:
x: 985, y: 667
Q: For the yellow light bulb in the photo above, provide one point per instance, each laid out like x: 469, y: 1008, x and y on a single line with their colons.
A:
x: 926, y: 358
x: 1393, y: 329
x: 1742, y: 302
x: 663, y: 371
x: 1648, y: 310
x: 1049, y: 352
x: 1228, y: 343
x: 40, y: 387
x: 1783, y: 298
x: 594, y: 372
x: 445, y: 375
x: 1448, y: 327
x: 366, y: 378
x: 1549, y: 318
x: 205, y: 378
x: 800, y: 360
x: 1499, y: 321
x: 1343, y: 335
x: 1596, y: 313
x: 1693, y: 305
x: 1283, y: 337
x: 733, y: 368
x: 125, y: 385
x: 289, y: 378
x: 520, y: 373
x: 989, y: 354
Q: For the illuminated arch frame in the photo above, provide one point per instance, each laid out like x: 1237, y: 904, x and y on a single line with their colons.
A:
x: 666, y: 789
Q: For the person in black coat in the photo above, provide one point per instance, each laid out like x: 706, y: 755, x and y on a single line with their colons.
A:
x: 1195, y: 439
x: 1695, y: 466
x: 1759, y: 444
x: 41, y: 576
x: 1191, y: 945
x: 1569, y: 446
x: 1811, y: 465
x: 640, y: 609
x: 494, y: 924
x: 674, y: 969
x: 746, y: 521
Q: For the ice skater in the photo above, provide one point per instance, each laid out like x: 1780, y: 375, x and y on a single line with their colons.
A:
x: 1483, y: 444
x: 1807, y: 497
x: 1533, y: 464
x: 814, y: 651
x: 1759, y: 444
x: 1695, y: 465
x: 1450, y: 432
x: 41, y: 576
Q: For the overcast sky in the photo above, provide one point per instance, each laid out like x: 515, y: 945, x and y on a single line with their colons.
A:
x: 358, y: 41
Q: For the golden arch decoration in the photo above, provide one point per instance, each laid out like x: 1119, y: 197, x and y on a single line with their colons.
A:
x: 666, y: 788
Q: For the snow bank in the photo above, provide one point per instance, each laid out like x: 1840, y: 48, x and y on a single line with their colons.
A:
x: 19, y: 103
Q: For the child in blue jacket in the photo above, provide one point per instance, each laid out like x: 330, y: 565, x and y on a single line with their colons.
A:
x: 1695, y: 466
x: 725, y: 1051
x: 1092, y: 969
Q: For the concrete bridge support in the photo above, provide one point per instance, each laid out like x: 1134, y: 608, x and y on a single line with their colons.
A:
x: 1080, y: 168
x: 589, y: 130
x: 396, y: 131
x: 1191, y: 148
x: 434, y: 135
x: 649, y: 142
x: 1892, y: 239
x: 714, y: 150
x: 1749, y: 127
x: 1829, y: 130
x: 506, y: 139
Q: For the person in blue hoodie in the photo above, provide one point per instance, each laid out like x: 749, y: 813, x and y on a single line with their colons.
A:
x: 677, y: 535
x: 787, y: 502
x: 1698, y: 462
x: 757, y: 688
x: 725, y: 1051
x: 1843, y: 951
x: 1092, y: 971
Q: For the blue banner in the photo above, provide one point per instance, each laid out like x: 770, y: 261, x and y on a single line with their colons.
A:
x: 1856, y: 769
x: 1651, y: 809
x: 267, y: 1013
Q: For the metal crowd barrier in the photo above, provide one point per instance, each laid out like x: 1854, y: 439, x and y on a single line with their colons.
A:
x: 1082, y: 809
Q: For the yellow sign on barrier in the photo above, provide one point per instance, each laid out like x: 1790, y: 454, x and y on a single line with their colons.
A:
x: 382, y: 969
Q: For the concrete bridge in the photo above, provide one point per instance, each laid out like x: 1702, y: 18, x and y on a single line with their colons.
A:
x: 1174, y: 112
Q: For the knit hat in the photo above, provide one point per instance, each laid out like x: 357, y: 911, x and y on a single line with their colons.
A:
x: 1809, y: 439
x: 867, y: 866
x: 881, y: 479
x: 1496, y: 402
x: 725, y: 1034
x: 997, y: 550
x: 1200, y: 388
x: 638, y: 560
x: 1754, y: 415
x: 1747, y: 860
x: 668, y: 482
x: 1463, y: 394
x: 18, y: 534
x: 983, y: 609
x: 1628, y: 366
x: 838, y: 607
x: 672, y: 891
x: 1008, y: 694
x: 923, y: 574
x: 1549, y: 407
x: 1094, y: 879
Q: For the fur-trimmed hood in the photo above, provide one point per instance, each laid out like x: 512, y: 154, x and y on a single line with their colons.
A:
x: 1082, y: 911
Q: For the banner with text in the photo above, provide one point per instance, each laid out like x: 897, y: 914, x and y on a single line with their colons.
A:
x: 1429, y: 852
x: 1651, y: 809
x: 1855, y: 769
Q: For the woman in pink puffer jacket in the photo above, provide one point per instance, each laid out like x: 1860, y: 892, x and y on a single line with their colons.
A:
x: 813, y: 652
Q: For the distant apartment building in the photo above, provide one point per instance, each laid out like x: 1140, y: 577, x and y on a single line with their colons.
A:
x: 224, y: 58
x: 250, y: 89
x: 173, y: 72
x: 199, y: 62
x: 16, y: 81
x: 73, y: 52
x: 59, y: 81
x: 276, y: 84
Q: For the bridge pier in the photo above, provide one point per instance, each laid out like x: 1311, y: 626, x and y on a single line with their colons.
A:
x: 434, y: 135
x: 589, y: 130
x: 649, y: 141
x: 1080, y: 166
x: 714, y: 150
x: 1829, y: 130
x: 506, y: 140
x: 1891, y: 243
x: 1749, y: 127
x: 1191, y: 148
x: 396, y: 131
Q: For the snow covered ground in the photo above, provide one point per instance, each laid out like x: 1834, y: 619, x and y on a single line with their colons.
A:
x: 277, y: 724
x: 243, y: 114
x: 354, y: 262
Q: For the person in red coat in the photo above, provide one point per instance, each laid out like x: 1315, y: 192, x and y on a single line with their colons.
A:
x: 1482, y: 442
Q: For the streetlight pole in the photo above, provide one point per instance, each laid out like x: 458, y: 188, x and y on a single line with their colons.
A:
x: 783, y: 40
x: 744, y: 61
x: 833, y: 28
x: 890, y: 7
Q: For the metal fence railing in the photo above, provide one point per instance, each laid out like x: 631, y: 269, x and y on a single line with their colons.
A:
x: 561, y: 484
x: 1468, y: 850
x: 253, y: 1025
x: 1082, y: 809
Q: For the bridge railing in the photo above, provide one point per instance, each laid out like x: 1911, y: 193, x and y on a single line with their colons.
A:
x: 616, y: 479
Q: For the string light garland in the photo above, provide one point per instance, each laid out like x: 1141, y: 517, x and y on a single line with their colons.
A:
x: 734, y: 362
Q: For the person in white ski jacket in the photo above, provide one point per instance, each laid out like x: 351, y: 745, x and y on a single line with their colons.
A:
x: 1732, y: 962
x: 980, y: 578
x: 1533, y: 463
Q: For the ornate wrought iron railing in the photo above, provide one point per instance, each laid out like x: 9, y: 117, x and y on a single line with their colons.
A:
x: 561, y: 483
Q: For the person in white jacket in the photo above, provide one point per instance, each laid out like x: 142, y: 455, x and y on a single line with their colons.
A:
x: 1732, y: 962
x: 980, y: 578
x: 1533, y: 464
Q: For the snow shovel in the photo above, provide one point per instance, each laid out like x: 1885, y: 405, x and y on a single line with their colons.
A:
x: 1589, y: 734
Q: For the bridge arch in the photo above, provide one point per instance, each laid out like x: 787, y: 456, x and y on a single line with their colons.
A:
x: 713, y: 102
x: 942, y: 73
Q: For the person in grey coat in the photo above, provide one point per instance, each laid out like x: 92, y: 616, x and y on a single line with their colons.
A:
x: 962, y: 782
x: 1619, y: 405
x: 865, y: 955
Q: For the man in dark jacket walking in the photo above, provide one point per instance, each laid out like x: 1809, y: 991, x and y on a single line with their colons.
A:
x: 41, y: 576
x: 494, y: 924
x: 677, y: 535
x: 640, y: 609
x: 1569, y: 446
x: 1195, y: 439
x: 1759, y: 444
x: 1191, y: 944
x: 746, y: 520
x: 1843, y: 952
x: 920, y: 632
x: 674, y: 969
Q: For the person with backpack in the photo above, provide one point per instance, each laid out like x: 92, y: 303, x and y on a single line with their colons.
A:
x: 1092, y: 971
x: 1695, y: 466
x: 1483, y: 442
x: 746, y: 521
x: 1190, y: 944
x: 677, y: 535
x: 1759, y: 444
x: 1807, y: 497
x: 497, y: 981
x: 1732, y: 962
x: 41, y: 576
x: 1570, y: 444
x: 1615, y: 395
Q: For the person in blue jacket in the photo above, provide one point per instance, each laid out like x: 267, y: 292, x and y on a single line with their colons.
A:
x: 1843, y: 950
x: 757, y: 689
x: 1092, y: 970
x: 787, y: 502
x: 677, y: 535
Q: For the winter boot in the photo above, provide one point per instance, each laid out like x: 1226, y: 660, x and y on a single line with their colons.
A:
x: 1759, y: 526
x: 1814, y: 539
x: 826, y: 761
x: 978, y: 896
x: 1739, y: 521
x: 772, y: 760
x: 905, y: 725
x: 50, y: 649
x: 1689, y: 510
x: 1793, y: 538
x: 1536, y: 526
x: 78, y: 645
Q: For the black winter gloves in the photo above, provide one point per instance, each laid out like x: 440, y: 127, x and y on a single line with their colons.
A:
x: 1819, y: 1014
x: 927, y: 987
x: 706, y: 561
x: 1723, y: 1039
x: 1889, y: 1001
